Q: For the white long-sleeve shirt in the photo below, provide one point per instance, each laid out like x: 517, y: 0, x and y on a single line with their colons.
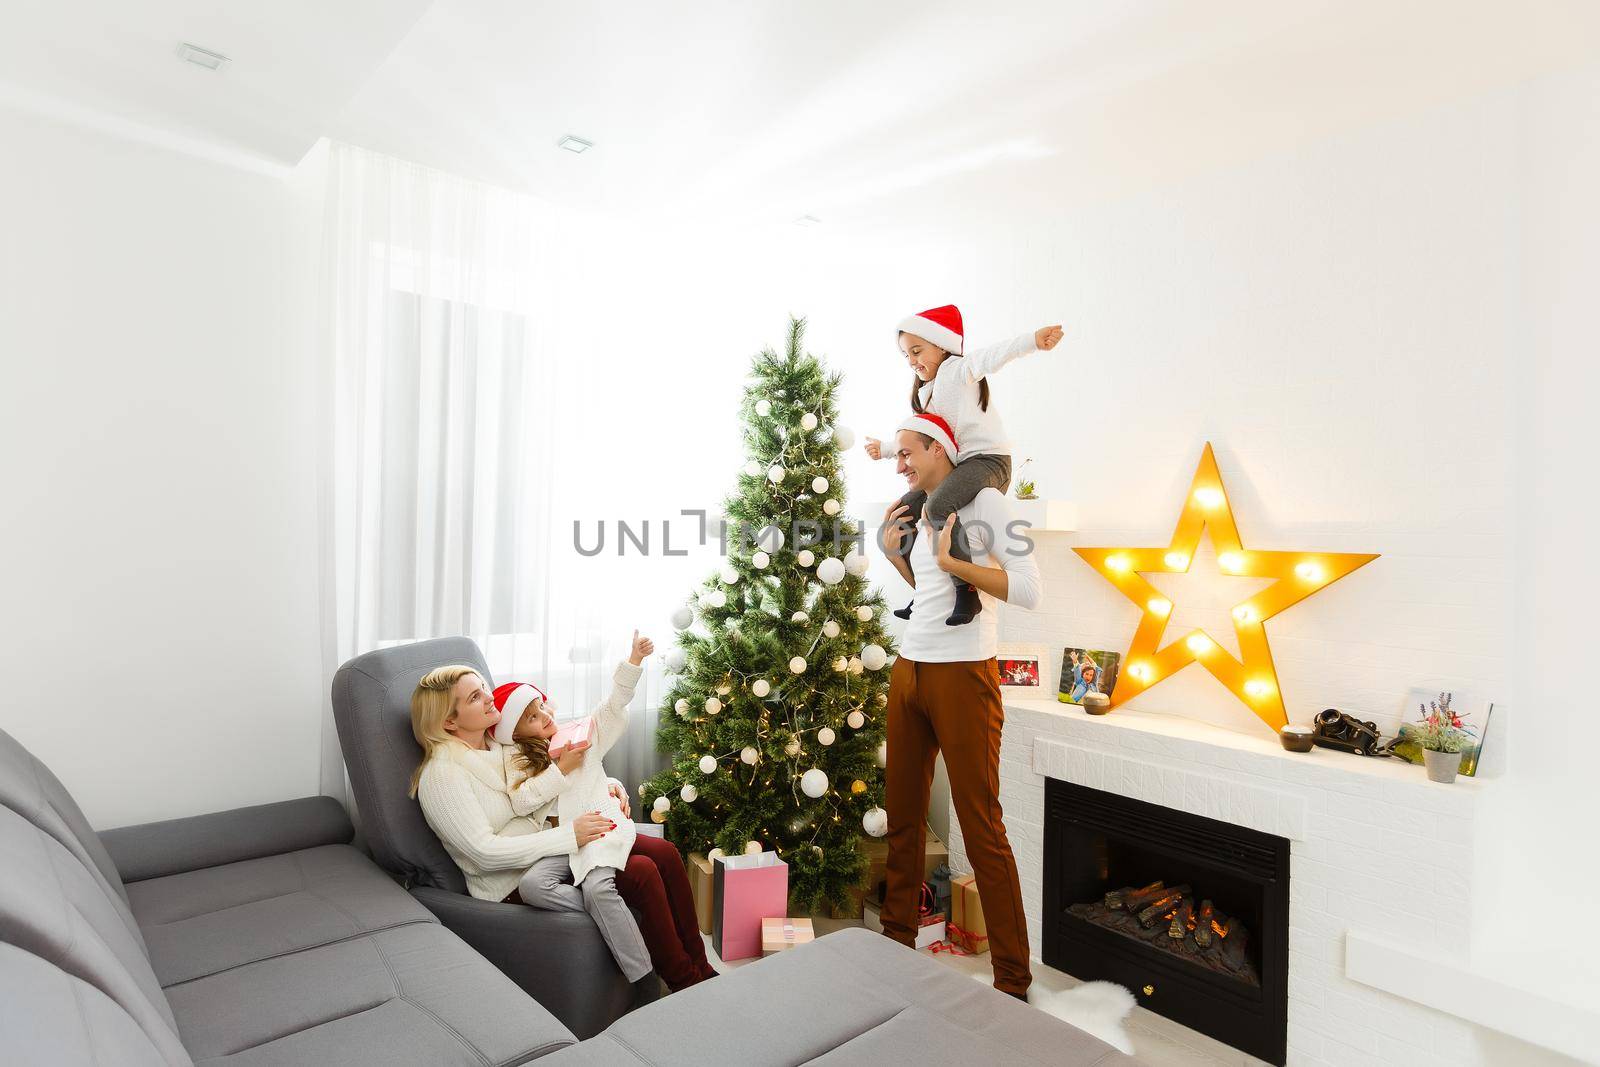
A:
x: 987, y: 521
x: 953, y: 396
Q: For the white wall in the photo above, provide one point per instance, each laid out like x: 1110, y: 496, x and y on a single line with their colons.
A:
x: 159, y: 526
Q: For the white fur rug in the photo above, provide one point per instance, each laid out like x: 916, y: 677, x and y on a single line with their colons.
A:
x: 1095, y: 1007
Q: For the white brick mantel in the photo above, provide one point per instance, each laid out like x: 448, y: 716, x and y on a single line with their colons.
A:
x: 1375, y: 848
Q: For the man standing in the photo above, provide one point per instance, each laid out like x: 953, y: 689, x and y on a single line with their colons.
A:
x: 944, y: 693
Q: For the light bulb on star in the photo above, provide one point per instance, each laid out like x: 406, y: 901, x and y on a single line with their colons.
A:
x: 1232, y: 562
x: 1178, y: 561
x: 1199, y: 644
x: 1159, y: 606
x: 1209, y: 497
x: 1256, y: 687
x: 1308, y: 572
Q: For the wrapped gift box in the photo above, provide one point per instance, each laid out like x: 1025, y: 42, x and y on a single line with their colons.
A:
x: 700, y: 878
x: 745, y: 890
x: 876, y: 849
x: 966, y: 915
x: 933, y: 925
x: 780, y: 934
x: 572, y: 736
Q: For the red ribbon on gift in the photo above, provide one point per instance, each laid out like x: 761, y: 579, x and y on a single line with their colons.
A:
x: 962, y: 938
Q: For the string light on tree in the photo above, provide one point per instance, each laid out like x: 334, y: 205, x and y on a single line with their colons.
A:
x: 797, y: 665
x: 760, y: 687
x: 713, y: 705
x: 830, y: 506
x: 864, y: 613
x: 776, y: 474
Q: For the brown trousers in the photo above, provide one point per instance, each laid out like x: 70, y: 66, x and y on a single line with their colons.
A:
x: 954, y: 707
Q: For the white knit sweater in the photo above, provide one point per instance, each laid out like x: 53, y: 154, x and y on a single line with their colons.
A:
x: 466, y: 801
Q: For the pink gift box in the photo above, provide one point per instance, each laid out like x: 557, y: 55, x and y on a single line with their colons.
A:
x: 574, y: 735
x: 745, y: 890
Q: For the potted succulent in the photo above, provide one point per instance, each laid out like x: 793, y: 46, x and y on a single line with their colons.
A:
x: 1025, y: 487
x: 1442, y: 734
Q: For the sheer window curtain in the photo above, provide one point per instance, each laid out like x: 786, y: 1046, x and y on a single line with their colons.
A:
x: 449, y: 469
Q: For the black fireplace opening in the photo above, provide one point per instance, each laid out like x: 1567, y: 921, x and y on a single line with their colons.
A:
x: 1190, y: 913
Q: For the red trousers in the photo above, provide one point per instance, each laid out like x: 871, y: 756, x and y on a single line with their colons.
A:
x: 655, y: 884
x: 954, y: 707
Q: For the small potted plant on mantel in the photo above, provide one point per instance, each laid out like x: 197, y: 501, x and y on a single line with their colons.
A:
x: 1442, y: 735
x: 1025, y: 487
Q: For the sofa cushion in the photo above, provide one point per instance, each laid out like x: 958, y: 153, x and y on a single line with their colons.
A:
x: 410, y: 995
x: 372, y: 710
x: 205, y: 921
x: 173, y: 846
x: 48, y: 1016
x: 54, y: 907
x: 28, y: 788
x: 850, y: 997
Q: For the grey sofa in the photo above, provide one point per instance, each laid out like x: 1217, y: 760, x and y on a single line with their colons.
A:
x: 372, y: 711
x: 249, y: 937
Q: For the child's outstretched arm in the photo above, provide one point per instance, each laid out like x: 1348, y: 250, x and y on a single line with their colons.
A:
x: 611, y: 717
x: 981, y: 363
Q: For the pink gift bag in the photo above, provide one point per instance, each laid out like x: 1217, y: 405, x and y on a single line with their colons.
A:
x: 745, y: 890
x: 575, y: 735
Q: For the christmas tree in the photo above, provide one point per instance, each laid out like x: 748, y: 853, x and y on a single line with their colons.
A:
x: 775, y: 715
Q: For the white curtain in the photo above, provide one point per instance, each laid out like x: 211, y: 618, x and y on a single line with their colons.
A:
x: 459, y: 448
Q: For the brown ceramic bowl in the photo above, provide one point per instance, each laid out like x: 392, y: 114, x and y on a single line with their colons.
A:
x: 1096, y: 703
x: 1296, y: 738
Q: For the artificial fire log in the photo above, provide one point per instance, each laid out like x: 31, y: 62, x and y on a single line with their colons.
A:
x: 1162, y: 905
x: 1182, y: 919
x: 1233, y: 946
x: 1139, y: 899
x: 1202, y: 928
x: 1114, y: 899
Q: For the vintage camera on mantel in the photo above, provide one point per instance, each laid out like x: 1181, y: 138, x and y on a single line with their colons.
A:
x: 1335, y: 729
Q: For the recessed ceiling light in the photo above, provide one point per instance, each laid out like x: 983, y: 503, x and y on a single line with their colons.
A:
x: 574, y: 144
x: 202, y: 57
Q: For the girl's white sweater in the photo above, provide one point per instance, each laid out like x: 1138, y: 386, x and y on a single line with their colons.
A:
x: 953, y: 396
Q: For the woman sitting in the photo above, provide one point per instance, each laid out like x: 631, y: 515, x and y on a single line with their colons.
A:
x: 464, y: 784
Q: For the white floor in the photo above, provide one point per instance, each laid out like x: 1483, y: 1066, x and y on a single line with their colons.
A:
x: 1157, y: 1041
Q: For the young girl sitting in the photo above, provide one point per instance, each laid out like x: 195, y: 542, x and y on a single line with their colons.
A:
x: 577, y: 783
x: 956, y: 388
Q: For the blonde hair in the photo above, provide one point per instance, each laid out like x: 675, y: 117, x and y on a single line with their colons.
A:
x: 432, y: 703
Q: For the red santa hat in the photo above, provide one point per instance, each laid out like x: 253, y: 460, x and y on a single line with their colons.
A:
x: 513, y: 699
x: 941, y: 325
x: 930, y: 425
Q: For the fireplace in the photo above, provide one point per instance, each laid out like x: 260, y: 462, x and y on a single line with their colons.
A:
x: 1190, y: 913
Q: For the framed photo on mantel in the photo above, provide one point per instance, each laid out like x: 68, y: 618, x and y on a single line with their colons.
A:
x: 1087, y: 670
x: 1021, y: 668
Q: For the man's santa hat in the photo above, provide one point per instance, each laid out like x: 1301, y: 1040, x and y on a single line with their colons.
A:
x: 940, y: 325
x: 513, y: 699
x: 930, y: 425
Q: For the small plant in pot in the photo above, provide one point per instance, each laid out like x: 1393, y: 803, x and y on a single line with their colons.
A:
x: 1442, y: 735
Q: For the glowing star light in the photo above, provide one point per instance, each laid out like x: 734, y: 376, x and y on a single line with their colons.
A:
x: 1299, y: 574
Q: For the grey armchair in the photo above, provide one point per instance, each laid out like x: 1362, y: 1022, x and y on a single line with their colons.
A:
x: 559, y: 958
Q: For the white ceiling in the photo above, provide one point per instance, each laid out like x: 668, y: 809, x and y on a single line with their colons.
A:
x: 847, y: 110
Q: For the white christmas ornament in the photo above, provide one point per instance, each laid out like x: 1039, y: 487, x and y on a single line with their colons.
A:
x: 682, y: 618
x: 855, y: 665
x: 716, y: 598
x: 844, y: 436
x: 729, y: 575
x: 752, y: 848
x: 770, y: 538
x: 760, y: 687
x: 830, y: 506
x: 713, y: 705
x: 864, y: 613
x: 749, y: 755
x: 819, y: 484
x: 855, y: 563
x: 662, y: 804
x: 805, y: 557
x: 799, y: 616
x: 808, y: 422
x: 874, y: 657
x: 763, y: 408
x: 841, y: 664
x: 776, y: 474
x: 830, y: 629
x: 875, y: 822
x: 681, y: 707
x: 760, y: 560
x: 825, y: 736
x: 797, y: 665
x: 708, y: 764
x: 814, y: 783
x: 753, y: 469
x: 724, y: 690
x: 688, y: 794
x: 676, y: 658
x: 793, y: 747
x: 830, y: 571
x: 856, y: 720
